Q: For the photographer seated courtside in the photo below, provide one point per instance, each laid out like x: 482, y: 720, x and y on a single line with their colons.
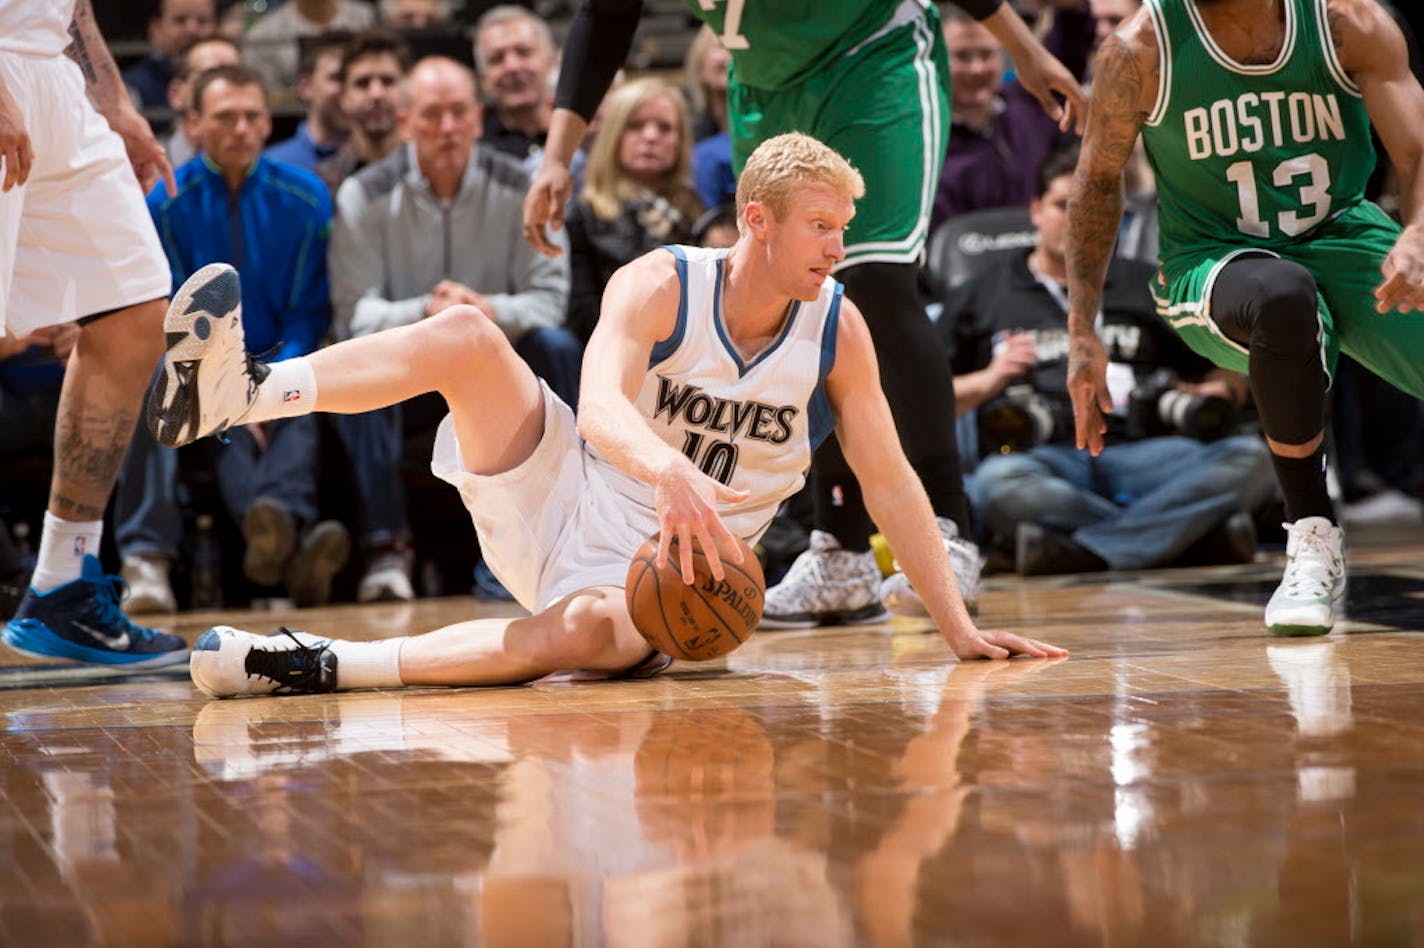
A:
x: 1176, y: 482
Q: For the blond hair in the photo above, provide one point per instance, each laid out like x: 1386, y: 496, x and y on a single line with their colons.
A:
x: 606, y: 186
x: 781, y: 165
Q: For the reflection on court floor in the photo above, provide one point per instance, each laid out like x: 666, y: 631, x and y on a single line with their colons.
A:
x: 1182, y: 779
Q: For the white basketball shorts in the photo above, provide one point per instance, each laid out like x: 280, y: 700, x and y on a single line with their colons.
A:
x: 553, y: 525
x: 76, y: 239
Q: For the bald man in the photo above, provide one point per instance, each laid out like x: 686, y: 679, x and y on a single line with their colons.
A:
x: 436, y: 223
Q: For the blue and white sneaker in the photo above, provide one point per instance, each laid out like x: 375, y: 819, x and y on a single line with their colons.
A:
x: 229, y: 663
x: 208, y: 382
x: 81, y: 621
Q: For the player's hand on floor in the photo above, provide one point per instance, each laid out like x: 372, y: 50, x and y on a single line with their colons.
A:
x: 686, y: 501
x: 1403, y: 269
x: 15, y: 148
x: 544, y: 206
x: 995, y: 643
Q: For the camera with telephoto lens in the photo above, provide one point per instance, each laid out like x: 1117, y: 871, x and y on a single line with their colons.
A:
x: 1157, y: 407
x: 1020, y: 419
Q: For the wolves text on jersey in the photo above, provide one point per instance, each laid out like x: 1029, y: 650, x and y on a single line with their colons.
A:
x: 756, y: 421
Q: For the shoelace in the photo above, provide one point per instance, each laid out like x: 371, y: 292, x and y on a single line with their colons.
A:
x: 296, y: 669
x: 256, y: 369
x: 113, y: 590
x: 1312, y: 572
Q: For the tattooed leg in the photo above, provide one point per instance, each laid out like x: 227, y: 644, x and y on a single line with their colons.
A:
x: 98, y: 407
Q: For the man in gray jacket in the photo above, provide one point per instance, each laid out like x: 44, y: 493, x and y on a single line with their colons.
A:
x: 436, y: 223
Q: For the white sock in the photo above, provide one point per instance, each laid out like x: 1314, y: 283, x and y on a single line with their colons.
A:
x: 367, y: 664
x: 289, y: 391
x: 63, y: 546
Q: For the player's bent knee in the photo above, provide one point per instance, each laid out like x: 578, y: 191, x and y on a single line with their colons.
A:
x: 584, y: 632
x: 1286, y: 320
x: 458, y: 335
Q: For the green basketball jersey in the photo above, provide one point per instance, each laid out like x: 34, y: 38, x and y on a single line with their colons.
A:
x: 1252, y: 154
x: 777, y: 43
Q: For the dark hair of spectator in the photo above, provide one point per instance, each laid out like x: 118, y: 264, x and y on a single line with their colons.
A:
x: 377, y: 42
x: 1062, y: 160
x: 314, y: 47
x: 180, y: 61
x: 233, y: 75
x: 723, y: 215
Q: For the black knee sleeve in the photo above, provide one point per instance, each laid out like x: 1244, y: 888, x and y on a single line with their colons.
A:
x: 1269, y: 306
x: 914, y: 372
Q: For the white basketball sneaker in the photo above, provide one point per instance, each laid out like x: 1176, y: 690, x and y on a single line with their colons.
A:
x: 1313, y: 587
x: 825, y: 586
x: 208, y: 382
x: 900, y: 597
x: 228, y: 662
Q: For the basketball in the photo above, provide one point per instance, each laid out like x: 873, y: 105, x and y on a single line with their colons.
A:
x: 700, y: 622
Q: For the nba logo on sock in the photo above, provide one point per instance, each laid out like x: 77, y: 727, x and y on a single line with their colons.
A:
x: 291, y: 395
x: 837, y: 496
x: 80, y: 545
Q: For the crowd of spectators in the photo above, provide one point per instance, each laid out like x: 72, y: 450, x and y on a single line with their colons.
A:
x: 412, y: 130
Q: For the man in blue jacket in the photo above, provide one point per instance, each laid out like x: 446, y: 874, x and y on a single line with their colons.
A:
x: 271, y: 221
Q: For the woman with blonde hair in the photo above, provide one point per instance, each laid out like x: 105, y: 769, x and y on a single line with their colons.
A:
x: 637, y: 192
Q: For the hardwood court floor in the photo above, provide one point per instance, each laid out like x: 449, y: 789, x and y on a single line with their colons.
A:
x: 1183, y: 779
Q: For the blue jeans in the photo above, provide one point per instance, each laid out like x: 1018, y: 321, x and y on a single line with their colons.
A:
x: 375, y: 441
x: 148, y: 516
x: 1137, y: 505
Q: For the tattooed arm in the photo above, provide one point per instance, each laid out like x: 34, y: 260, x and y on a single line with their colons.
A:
x: 107, y: 91
x: 1125, y: 72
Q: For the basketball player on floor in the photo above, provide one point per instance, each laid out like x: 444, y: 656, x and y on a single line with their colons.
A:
x: 870, y: 78
x: 731, y: 363
x: 1256, y: 117
x: 77, y: 243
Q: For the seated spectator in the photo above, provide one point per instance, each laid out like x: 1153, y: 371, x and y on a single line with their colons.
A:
x: 31, y: 374
x: 270, y: 45
x: 705, y: 76
x: 438, y: 222
x: 717, y: 227
x: 325, y: 127
x: 174, y: 25
x: 197, y: 57
x: 271, y: 221
x: 636, y: 194
x: 373, y: 69
x: 1159, y: 491
x: 515, y: 56
x: 415, y: 14
x: 999, y: 135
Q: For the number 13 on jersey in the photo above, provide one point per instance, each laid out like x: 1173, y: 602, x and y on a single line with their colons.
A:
x: 1314, y: 194
x: 731, y: 35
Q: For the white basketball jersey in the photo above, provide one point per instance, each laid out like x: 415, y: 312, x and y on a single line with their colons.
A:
x: 35, y: 27
x: 750, y: 423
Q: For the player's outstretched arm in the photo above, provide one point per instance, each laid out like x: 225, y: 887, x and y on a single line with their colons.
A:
x: 639, y: 309
x: 1039, y: 71
x: 1373, y: 53
x: 896, y: 499
x: 597, y: 43
x: 107, y: 91
x: 1115, y: 118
